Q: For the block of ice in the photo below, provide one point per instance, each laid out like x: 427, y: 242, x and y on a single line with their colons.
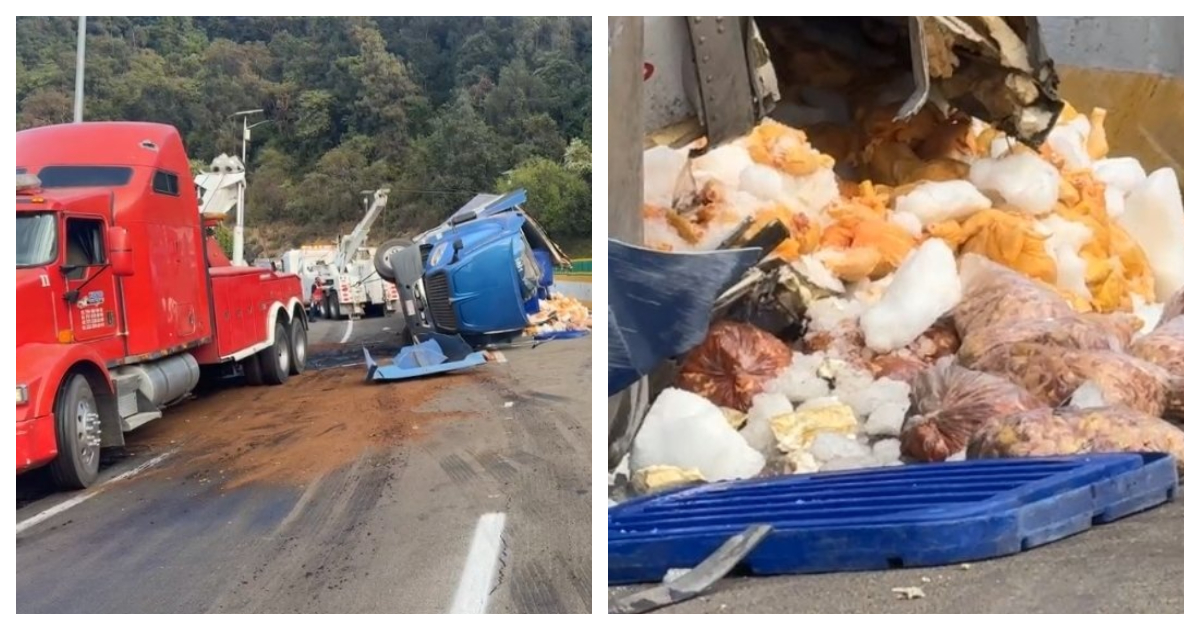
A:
x: 886, y: 451
x: 763, y: 408
x: 1024, y: 180
x: 887, y: 419
x: 934, y: 202
x: 925, y: 288
x: 850, y: 463
x: 1122, y: 174
x: 1154, y: 218
x: 830, y: 446
x: 685, y: 430
x: 662, y: 168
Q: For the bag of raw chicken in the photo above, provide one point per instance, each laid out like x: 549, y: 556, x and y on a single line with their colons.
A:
x: 733, y: 364
x: 1053, y: 374
x: 1072, y: 331
x: 1164, y: 347
x: 994, y: 294
x: 1047, y: 432
x: 949, y: 404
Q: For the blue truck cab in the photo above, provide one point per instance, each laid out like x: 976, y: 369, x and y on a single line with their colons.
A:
x: 479, y: 275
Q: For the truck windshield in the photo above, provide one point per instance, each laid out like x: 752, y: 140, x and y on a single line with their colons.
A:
x: 527, y: 268
x: 37, y: 239
x: 84, y: 176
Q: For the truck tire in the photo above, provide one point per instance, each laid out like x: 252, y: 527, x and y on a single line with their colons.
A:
x: 383, y: 257
x: 276, y: 361
x: 298, y: 333
x: 325, y: 308
x: 251, y: 370
x: 335, y: 303
x: 77, y: 432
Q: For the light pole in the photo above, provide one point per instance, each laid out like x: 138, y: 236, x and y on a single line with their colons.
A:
x: 239, y: 240
x: 79, y: 42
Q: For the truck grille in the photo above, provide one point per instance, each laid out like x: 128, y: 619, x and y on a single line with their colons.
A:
x: 437, y: 294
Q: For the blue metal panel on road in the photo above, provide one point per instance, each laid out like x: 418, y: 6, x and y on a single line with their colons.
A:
x: 907, y: 516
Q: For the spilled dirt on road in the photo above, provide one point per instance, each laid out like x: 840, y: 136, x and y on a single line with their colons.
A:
x: 291, y: 434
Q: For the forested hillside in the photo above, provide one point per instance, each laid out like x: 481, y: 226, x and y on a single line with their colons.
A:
x: 437, y: 108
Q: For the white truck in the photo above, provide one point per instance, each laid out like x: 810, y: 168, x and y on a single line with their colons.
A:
x: 351, y: 287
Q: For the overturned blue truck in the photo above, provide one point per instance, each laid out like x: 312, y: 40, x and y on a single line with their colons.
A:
x: 473, y: 281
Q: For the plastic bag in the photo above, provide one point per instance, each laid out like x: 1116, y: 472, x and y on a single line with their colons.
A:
x: 950, y: 402
x: 1052, y: 374
x: 994, y: 294
x: 1164, y: 347
x: 733, y: 364
x: 1173, y: 308
x: 1073, y: 331
x: 1047, y: 432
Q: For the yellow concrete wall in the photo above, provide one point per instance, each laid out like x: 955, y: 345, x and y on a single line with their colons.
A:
x: 1145, y: 112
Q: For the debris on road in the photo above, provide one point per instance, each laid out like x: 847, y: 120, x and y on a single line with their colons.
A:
x: 437, y: 354
x: 909, y: 592
x: 901, y: 316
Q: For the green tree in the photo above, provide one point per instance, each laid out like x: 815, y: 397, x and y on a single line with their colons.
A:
x: 558, y: 197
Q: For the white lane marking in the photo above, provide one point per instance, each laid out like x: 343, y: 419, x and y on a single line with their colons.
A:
x: 76, y: 500
x: 349, y: 329
x: 482, y: 560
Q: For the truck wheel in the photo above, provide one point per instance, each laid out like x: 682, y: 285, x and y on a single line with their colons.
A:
x: 251, y: 370
x: 299, y: 336
x: 325, y: 307
x: 276, y: 361
x: 77, y: 431
x: 335, y: 302
x: 383, y: 257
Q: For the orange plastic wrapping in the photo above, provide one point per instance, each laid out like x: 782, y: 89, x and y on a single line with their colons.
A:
x: 950, y: 403
x: 1047, y: 432
x: 733, y: 364
x: 1052, y: 374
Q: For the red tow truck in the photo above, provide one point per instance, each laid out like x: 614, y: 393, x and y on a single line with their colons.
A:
x: 124, y: 297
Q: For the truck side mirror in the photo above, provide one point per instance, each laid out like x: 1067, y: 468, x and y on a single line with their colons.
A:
x: 120, y: 252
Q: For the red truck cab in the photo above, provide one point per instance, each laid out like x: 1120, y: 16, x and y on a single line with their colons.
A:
x: 123, y: 297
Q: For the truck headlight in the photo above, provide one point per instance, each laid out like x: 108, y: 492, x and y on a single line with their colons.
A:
x: 22, y: 395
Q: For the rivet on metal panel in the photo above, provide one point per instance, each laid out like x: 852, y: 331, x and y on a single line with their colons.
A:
x: 703, y: 39
x: 720, y: 18
x: 721, y: 29
x: 706, y: 58
x: 696, y: 20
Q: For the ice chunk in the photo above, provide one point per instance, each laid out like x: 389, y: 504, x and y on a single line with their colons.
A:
x: 850, y: 463
x: 1023, y: 180
x: 925, y: 288
x: 1114, y: 202
x: 1069, y: 141
x: 1150, y: 314
x: 887, y: 419
x: 796, y: 431
x: 825, y: 314
x: 685, y: 430
x: 815, y: 271
x: 799, y: 381
x: 812, y: 193
x: 1089, y: 395
x: 763, y: 182
x: 1121, y: 174
x: 801, y: 462
x: 866, y: 398
x: 662, y: 167
x: 934, y: 202
x: 724, y: 164
x: 763, y: 407
x: 909, y: 221
x: 960, y: 456
x: 1154, y: 218
x: 1065, y: 240
x: 886, y: 451
x: 830, y: 446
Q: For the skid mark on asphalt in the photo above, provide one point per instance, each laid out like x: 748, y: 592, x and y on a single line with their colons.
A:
x: 496, y: 466
x: 533, y: 591
x: 457, y: 469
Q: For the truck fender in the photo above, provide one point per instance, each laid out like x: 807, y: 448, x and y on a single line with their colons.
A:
x: 273, y: 312
x: 43, y: 367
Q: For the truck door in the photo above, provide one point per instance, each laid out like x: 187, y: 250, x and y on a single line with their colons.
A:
x: 91, y: 286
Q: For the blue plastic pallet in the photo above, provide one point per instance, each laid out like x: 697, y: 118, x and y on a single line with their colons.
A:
x: 906, y: 516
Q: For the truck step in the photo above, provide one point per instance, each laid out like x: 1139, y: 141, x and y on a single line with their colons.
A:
x: 138, y: 419
x: 127, y: 393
